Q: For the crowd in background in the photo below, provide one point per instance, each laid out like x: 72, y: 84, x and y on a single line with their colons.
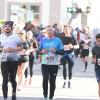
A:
x: 70, y: 42
x: 32, y: 35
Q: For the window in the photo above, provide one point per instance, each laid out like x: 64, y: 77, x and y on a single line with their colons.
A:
x: 35, y: 9
x: 24, y: 13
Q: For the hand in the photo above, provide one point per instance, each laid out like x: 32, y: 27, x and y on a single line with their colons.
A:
x: 52, y: 50
x: 9, y: 50
x: 12, y: 50
x: 44, y: 51
x: 6, y: 50
x: 93, y: 61
x: 66, y: 47
x: 34, y: 50
x: 71, y: 46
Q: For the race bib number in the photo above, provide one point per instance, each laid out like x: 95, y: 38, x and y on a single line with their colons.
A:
x: 98, y: 60
x: 4, y: 57
x: 50, y: 58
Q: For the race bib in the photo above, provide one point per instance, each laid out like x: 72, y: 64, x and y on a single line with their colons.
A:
x: 4, y: 56
x: 86, y: 47
x: 66, y: 47
x: 98, y: 60
x: 50, y: 58
x: 76, y: 46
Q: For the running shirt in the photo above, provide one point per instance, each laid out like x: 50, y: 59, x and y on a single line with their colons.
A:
x: 26, y: 45
x: 96, y: 52
x: 85, y: 41
x: 9, y: 42
x: 66, y: 41
x: 50, y: 58
x: 86, y: 44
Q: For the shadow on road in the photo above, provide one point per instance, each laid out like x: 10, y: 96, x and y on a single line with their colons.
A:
x: 40, y: 98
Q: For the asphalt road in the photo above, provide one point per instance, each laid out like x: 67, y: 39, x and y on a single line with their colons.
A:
x: 83, y: 85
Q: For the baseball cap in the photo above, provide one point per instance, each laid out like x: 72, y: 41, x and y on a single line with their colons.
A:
x: 9, y: 23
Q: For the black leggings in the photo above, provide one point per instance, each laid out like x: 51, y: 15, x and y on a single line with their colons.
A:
x: 70, y: 66
x: 49, y: 73
x: 31, y: 61
x: 9, y: 69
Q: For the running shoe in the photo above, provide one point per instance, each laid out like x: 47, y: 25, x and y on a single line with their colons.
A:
x: 64, y: 85
x: 69, y: 84
x: 14, y: 97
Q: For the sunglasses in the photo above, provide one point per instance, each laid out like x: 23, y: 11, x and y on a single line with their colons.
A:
x: 21, y: 33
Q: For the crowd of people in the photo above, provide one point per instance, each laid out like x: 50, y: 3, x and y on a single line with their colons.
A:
x: 51, y: 46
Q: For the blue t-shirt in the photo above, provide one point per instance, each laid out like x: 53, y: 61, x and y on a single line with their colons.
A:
x: 48, y: 43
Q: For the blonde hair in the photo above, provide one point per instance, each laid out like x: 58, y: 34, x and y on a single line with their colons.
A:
x: 30, y: 32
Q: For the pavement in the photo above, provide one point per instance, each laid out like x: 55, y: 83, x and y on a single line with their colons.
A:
x: 83, y: 85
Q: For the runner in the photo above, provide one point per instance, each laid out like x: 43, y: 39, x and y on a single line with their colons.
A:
x: 96, y: 60
x: 47, y: 48
x: 68, y: 42
x: 23, y: 59
x: 10, y: 44
x: 33, y: 48
x: 85, y: 43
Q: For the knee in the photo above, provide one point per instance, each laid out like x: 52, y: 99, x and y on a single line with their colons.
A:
x: 71, y: 64
x: 5, y: 80
x: 45, y: 78
x: 14, y: 83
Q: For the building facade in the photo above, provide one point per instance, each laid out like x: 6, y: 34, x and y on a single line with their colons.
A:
x: 47, y: 12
